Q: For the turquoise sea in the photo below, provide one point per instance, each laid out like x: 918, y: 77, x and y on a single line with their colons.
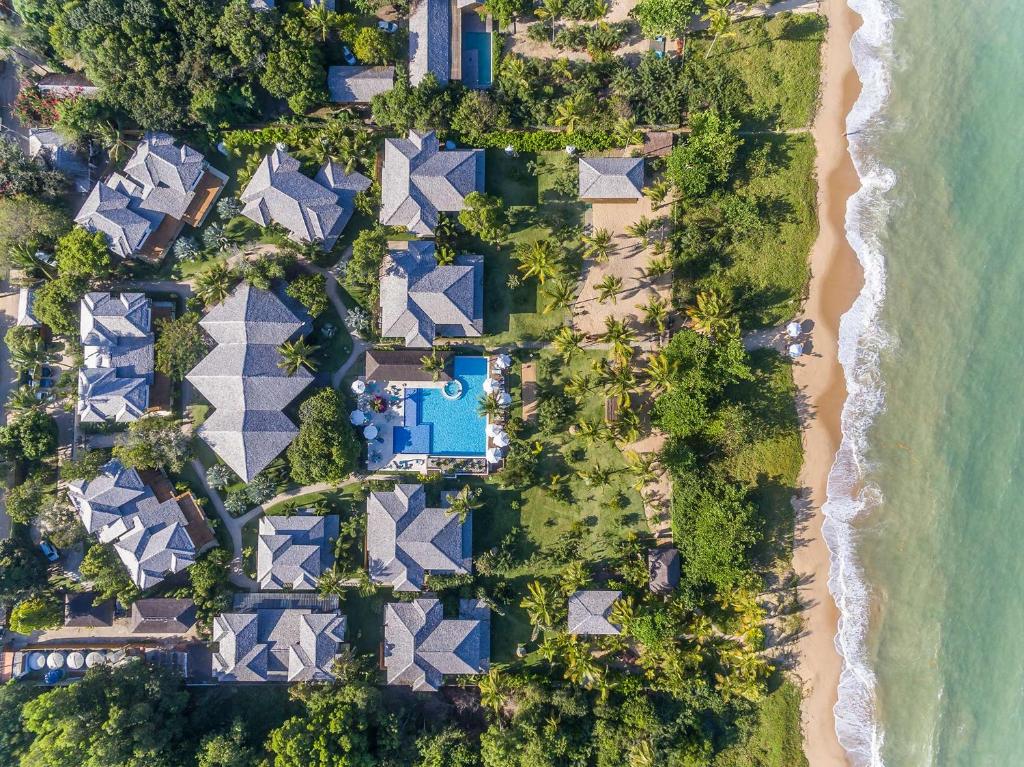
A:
x: 926, y: 509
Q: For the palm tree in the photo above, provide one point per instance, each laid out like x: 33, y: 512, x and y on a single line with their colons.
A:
x: 626, y: 428
x: 514, y: 73
x: 213, y: 285
x: 618, y: 381
x: 574, y: 577
x: 609, y: 288
x: 711, y: 314
x: 550, y: 10
x: 321, y: 18
x: 641, y: 754
x: 562, y: 294
x: 489, y: 407
x: 433, y: 363
x: 621, y: 337
x: 331, y: 582
x: 656, y: 313
x: 355, y: 150
x: 625, y: 131
x: 596, y: 476
x: 295, y: 355
x: 24, y: 398
x: 569, y: 112
x: 643, y: 467
x: 111, y: 139
x: 541, y: 607
x: 567, y: 342
x: 493, y: 689
x: 623, y: 612
x: 719, y: 21
x: 465, y: 501
x: 24, y: 257
x: 578, y: 386
x: 538, y: 259
x: 590, y: 432
x: 658, y: 192
x: 657, y: 266
x: 598, y: 245
x: 642, y: 229
x: 580, y: 666
x: 661, y: 373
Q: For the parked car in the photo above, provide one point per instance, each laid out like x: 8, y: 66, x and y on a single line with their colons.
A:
x: 349, y: 57
x: 49, y: 550
x: 388, y: 26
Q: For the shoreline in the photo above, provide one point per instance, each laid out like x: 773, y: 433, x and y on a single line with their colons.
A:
x: 836, y: 280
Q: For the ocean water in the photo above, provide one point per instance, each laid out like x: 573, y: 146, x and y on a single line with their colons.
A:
x: 926, y: 500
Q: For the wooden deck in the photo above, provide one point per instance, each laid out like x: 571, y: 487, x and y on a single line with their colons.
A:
x: 207, y: 191
x: 528, y: 378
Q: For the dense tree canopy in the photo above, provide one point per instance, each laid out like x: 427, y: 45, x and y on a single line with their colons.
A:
x: 84, y: 255
x: 32, y: 436
x: 325, y: 449
x: 107, y: 574
x: 154, y: 443
x: 22, y: 568
x: 180, y: 344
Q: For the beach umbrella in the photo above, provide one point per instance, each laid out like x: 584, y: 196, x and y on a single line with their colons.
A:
x: 493, y: 429
x: 504, y: 399
x: 510, y: 150
x: 494, y: 455
x: 53, y: 676
x: 795, y: 350
x: 94, y: 659
x: 55, y: 660
x: 76, y: 660
x: 794, y: 329
x: 36, y: 661
x: 370, y: 432
x: 358, y: 386
x: 491, y: 386
x: 502, y: 362
x: 357, y: 418
x: 501, y: 439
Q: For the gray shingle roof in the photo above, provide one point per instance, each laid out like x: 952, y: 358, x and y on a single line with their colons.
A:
x: 110, y: 209
x: 358, y: 85
x: 405, y: 540
x: 279, y: 193
x: 60, y: 154
x: 418, y: 180
x: 663, y: 569
x: 81, y: 609
x: 420, y: 300
x: 240, y: 377
x: 26, y: 301
x: 277, y: 645
x: 293, y: 551
x: 399, y: 365
x: 421, y: 645
x: 162, y: 616
x: 148, y: 535
x: 611, y: 178
x: 118, y: 357
x: 430, y: 41
x: 589, y: 611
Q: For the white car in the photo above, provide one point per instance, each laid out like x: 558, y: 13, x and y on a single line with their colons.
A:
x: 388, y: 26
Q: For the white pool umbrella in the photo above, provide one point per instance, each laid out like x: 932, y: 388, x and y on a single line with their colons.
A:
x: 359, y: 386
x: 370, y: 432
x: 502, y: 362
x: 795, y: 350
x: 493, y: 429
x: 794, y: 329
x: 357, y: 418
x: 504, y: 399
x: 94, y: 659
x: 494, y: 455
x: 76, y: 660
x: 55, y: 660
x: 36, y: 661
x: 501, y: 439
x: 491, y: 386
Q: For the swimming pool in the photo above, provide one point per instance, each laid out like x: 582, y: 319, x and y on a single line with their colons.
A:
x: 476, y: 59
x: 436, y: 425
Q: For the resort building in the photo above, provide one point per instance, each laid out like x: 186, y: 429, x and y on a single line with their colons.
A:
x: 420, y: 300
x: 277, y: 644
x: 82, y: 610
x: 415, y: 420
x: 421, y: 646
x: 611, y: 179
x: 153, y: 531
x: 663, y: 569
x: 293, y: 551
x: 405, y: 540
x: 162, y: 616
x: 589, y: 613
x: 419, y: 180
x: 66, y: 85
x: 311, y: 210
x: 57, y: 152
x: 448, y: 39
x: 142, y: 209
x: 26, y: 309
x: 358, y: 85
x: 241, y: 378
x: 117, y: 342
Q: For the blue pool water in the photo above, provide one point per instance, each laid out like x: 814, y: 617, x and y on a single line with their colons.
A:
x: 476, y: 59
x: 437, y: 425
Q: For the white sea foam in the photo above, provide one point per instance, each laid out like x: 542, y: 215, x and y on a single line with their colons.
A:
x: 861, y: 340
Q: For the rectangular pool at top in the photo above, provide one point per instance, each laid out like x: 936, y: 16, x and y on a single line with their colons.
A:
x: 441, y: 426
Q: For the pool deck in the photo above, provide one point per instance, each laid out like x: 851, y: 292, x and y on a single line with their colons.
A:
x: 381, y: 456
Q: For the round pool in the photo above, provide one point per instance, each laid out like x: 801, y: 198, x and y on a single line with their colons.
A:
x: 452, y: 389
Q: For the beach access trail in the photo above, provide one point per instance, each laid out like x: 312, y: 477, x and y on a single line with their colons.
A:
x: 835, y: 282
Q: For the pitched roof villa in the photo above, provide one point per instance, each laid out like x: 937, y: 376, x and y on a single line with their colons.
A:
x: 152, y: 537
x: 405, y: 540
x: 162, y: 184
x: 312, y: 210
x: 240, y: 377
x: 358, y: 85
x: 420, y: 300
x: 277, y: 645
x: 421, y: 646
x: 293, y: 551
x: 611, y: 178
x: 589, y: 612
x: 113, y: 384
x: 419, y: 180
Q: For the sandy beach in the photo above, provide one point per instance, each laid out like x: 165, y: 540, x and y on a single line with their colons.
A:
x: 835, y: 283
